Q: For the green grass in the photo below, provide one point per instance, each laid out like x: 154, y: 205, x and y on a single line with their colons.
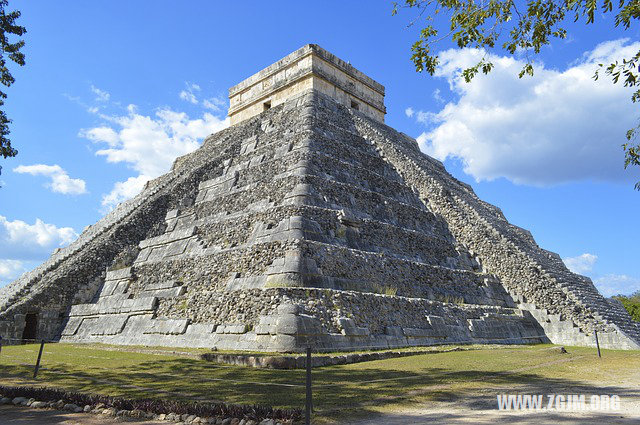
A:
x: 338, y: 390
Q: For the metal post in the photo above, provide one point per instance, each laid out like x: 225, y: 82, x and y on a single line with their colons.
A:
x: 308, y: 405
x: 597, y: 343
x: 0, y: 343
x: 35, y: 372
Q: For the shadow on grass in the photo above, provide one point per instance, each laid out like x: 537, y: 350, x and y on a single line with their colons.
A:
x: 467, y: 381
x: 335, y: 388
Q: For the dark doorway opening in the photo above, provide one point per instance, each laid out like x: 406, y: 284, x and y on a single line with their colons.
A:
x: 30, y: 327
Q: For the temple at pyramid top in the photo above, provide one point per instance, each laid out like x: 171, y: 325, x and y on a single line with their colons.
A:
x: 310, y: 67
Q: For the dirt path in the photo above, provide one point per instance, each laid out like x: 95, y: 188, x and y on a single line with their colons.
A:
x: 456, y: 417
x: 481, y: 407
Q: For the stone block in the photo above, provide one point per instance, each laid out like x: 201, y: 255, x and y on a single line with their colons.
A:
x: 166, y: 293
x: 203, y: 330
x: 125, y: 273
x: 172, y: 214
x: 162, y: 285
x: 167, y: 327
x: 310, y: 326
x: 394, y: 331
x: 249, y: 282
x: 176, y: 235
x: 121, y: 288
x: 292, y: 263
x: 106, y: 325
x: 418, y: 332
x: 72, y: 326
x: 248, y: 145
x: 287, y: 324
x: 256, y: 160
x: 157, y: 253
x: 288, y: 308
x: 176, y: 248
x: 143, y: 255
x: 109, y: 287
x: 233, y: 328
x: 108, y: 306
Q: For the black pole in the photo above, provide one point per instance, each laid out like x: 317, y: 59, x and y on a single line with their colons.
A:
x: 597, y: 343
x: 0, y: 344
x: 308, y: 404
x: 35, y: 372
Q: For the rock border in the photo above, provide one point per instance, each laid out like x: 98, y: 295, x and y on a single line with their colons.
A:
x: 99, y: 408
x: 300, y: 361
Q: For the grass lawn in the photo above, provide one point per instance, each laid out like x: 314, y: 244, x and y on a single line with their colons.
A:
x: 338, y: 390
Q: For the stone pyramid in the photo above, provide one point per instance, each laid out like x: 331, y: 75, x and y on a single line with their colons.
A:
x: 308, y: 222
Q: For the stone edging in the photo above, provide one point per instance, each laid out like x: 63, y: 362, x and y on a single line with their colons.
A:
x: 300, y: 361
x: 103, y: 410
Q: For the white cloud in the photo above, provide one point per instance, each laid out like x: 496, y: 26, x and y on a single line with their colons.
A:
x: 101, y: 134
x: 22, y: 241
x: 124, y: 190
x: 12, y: 269
x: 148, y: 144
x: 216, y: 104
x: 23, y: 246
x: 437, y: 96
x: 617, y: 284
x: 608, y: 285
x: 581, y: 264
x: 189, y: 97
x: 425, y: 118
x: 409, y: 112
x: 557, y: 126
x: 189, y: 94
x: 60, y: 180
x: 101, y: 95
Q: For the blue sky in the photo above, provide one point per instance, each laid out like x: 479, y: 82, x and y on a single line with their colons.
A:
x: 113, y: 91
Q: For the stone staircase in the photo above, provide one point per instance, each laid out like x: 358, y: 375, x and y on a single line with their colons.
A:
x: 558, y: 330
x: 608, y: 316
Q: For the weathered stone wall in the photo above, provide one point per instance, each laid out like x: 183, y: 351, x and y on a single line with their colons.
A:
x: 288, y: 319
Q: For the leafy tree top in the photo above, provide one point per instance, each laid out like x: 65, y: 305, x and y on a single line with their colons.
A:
x: 11, y: 51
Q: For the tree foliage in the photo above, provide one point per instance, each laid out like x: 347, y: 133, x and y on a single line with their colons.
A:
x: 12, y: 52
x: 631, y: 304
x: 521, y: 26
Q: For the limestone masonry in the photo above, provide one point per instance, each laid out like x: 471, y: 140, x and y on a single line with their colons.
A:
x: 308, y: 221
x: 309, y: 67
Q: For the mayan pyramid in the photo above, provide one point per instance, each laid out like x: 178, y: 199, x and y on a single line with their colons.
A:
x: 308, y: 222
